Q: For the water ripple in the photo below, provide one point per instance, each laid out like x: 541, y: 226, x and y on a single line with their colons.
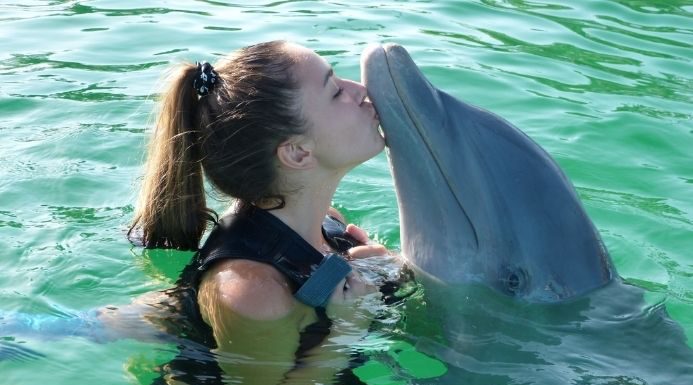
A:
x: 81, y: 9
x: 24, y: 62
x: 669, y: 7
x: 604, y: 86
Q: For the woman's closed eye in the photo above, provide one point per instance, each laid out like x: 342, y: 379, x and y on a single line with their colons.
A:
x: 339, y: 92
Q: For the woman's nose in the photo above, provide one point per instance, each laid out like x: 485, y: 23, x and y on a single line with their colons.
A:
x: 358, y: 91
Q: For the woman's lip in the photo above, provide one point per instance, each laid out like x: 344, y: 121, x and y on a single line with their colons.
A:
x: 375, y: 113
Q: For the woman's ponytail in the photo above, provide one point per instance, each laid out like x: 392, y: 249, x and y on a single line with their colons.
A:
x: 227, y: 121
x: 172, y: 211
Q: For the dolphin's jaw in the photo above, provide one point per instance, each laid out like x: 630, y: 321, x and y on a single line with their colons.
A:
x: 398, y: 84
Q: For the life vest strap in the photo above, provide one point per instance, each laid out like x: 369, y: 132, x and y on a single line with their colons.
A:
x: 316, y: 291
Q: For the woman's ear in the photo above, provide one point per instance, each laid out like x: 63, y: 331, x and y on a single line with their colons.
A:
x: 296, y: 153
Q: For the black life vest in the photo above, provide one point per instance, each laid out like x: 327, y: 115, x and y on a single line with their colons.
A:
x: 262, y: 237
x: 258, y: 236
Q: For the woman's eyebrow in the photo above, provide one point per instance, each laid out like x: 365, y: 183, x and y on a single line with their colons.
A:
x: 327, y: 77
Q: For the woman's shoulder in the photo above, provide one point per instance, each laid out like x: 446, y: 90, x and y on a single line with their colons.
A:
x: 250, y: 289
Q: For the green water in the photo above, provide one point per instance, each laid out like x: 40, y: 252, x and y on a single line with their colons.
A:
x: 605, y: 86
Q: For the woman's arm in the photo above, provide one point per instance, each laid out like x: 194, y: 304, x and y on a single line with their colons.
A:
x: 255, y: 319
x: 257, y: 324
x: 351, y: 311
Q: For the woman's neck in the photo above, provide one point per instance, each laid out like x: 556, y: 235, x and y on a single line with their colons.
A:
x: 305, y: 209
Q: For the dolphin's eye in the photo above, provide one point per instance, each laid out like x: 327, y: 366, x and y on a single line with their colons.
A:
x: 514, y: 280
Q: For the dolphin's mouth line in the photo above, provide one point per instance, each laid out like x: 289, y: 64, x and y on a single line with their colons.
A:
x: 426, y: 142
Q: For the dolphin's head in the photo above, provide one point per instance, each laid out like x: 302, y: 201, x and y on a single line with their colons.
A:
x: 479, y: 201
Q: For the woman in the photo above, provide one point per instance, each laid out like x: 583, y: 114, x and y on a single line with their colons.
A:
x: 274, y: 128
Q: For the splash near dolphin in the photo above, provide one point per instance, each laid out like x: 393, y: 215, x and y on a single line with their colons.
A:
x: 479, y: 201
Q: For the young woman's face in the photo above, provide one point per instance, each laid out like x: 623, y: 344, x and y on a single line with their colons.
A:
x: 343, y: 123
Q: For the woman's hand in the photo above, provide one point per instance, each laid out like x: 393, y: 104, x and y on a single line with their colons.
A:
x: 368, y: 249
x: 350, y: 299
x: 351, y: 303
x: 351, y: 307
x: 351, y: 289
x: 351, y: 312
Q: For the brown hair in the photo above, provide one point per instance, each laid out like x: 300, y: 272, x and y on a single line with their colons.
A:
x: 232, y: 134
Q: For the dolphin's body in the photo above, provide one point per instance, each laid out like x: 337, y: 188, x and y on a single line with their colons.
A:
x: 483, y: 206
x: 479, y: 201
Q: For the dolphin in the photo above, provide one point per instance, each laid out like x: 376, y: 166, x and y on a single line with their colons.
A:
x: 518, y: 285
x: 479, y: 201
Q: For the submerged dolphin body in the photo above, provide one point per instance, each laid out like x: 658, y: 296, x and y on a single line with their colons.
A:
x: 483, y: 206
x: 478, y: 200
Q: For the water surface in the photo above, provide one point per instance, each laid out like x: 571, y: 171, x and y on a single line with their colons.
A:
x: 604, y: 86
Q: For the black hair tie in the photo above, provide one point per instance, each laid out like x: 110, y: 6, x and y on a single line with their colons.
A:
x: 205, y: 78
